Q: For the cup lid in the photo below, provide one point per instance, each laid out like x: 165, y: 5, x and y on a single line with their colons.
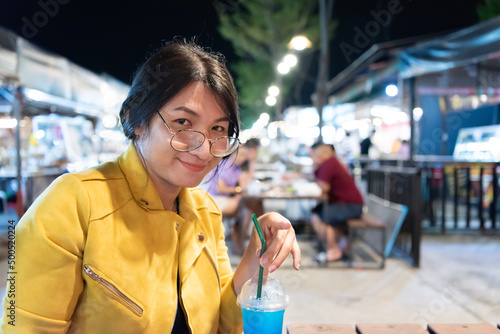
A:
x: 273, y: 297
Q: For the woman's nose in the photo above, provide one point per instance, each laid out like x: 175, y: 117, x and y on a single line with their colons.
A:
x: 202, y: 152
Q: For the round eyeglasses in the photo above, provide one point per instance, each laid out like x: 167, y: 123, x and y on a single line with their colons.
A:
x: 189, y: 140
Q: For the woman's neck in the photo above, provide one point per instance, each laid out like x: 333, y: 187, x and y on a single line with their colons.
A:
x: 167, y: 192
x: 168, y: 197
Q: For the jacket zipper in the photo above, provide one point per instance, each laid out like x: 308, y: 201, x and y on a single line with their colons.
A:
x: 113, y: 289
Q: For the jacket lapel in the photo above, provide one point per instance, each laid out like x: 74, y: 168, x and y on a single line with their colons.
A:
x: 194, y: 234
x: 140, y: 183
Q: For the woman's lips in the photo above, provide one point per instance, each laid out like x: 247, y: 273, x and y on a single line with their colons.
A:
x: 193, y: 167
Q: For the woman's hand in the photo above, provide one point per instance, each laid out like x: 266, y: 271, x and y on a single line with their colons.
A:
x: 280, y: 241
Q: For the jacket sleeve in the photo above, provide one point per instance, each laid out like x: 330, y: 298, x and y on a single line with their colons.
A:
x: 231, y: 320
x: 46, y: 276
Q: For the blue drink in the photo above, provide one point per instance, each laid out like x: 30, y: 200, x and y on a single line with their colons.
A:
x: 263, y: 315
x: 262, y: 322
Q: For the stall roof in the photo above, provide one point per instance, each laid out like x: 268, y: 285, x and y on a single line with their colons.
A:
x: 7, y: 39
x: 415, y: 56
x: 469, y: 45
x: 55, y: 81
x: 8, y: 58
x: 377, y: 52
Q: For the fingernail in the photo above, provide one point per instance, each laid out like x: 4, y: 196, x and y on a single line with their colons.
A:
x: 298, y: 266
x: 264, y: 261
x: 257, y: 253
x: 272, y: 268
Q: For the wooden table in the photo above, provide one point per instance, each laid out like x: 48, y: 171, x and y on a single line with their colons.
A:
x: 390, y: 329
x: 462, y: 328
x: 283, y: 195
x: 313, y: 329
x: 479, y: 328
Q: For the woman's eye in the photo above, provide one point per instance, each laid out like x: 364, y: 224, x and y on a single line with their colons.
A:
x: 181, y: 121
x: 219, y: 129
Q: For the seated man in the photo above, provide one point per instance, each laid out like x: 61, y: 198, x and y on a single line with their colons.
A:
x: 344, y: 200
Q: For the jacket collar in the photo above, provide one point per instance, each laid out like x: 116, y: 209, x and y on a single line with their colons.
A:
x: 194, y: 232
x: 142, y: 186
x: 140, y: 183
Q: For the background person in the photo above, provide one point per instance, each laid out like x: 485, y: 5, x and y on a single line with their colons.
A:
x: 225, y: 186
x: 132, y: 245
x: 344, y: 200
x: 251, y: 149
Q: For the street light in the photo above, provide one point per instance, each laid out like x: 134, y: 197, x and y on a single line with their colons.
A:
x: 290, y: 60
x: 299, y: 43
x: 283, y: 68
x: 391, y: 90
x: 273, y: 91
x: 417, y: 113
x: 271, y: 101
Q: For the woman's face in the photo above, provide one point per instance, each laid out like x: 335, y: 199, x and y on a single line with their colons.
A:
x: 193, y: 108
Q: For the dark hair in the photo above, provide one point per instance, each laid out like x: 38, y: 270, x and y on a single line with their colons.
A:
x: 320, y: 143
x: 316, y: 145
x: 166, y: 73
x: 252, y: 143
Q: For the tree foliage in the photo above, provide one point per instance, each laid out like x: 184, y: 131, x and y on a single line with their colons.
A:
x: 259, y: 31
x: 488, y: 9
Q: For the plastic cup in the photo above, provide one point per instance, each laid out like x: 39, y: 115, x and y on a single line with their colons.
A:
x: 264, y: 315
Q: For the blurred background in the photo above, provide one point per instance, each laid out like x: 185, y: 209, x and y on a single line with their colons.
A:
x: 417, y: 81
x: 407, y: 91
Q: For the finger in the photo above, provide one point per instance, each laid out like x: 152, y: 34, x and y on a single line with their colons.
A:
x: 273, y: 223
x: 296, y: 254
x: 273, y: 248
x: 254, y: 237
x: 286, y: 248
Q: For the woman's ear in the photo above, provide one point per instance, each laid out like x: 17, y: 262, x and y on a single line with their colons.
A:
x: 138, y: 132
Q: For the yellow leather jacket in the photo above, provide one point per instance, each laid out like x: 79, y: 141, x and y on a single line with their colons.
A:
x: 97, y: 253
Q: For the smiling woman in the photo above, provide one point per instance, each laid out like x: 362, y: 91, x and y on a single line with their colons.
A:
x: 131, y: 246
x: 174, y: 160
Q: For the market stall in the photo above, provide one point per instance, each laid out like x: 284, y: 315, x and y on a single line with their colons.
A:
x: 55, y: 117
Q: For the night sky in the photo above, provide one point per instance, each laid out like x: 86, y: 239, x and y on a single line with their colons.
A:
x: 115, y: 36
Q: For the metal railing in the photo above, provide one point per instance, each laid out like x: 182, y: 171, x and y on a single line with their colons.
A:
x: 461, y: 196
x: 456, y: 196
x: 401, y: 185
x: 443, y: 196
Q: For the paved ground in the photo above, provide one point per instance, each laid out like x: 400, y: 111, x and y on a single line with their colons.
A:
x: 458, y: 282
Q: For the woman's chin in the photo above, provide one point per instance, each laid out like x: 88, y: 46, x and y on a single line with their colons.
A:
x: 190, y: 183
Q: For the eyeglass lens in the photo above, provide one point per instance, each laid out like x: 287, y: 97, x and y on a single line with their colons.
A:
x: 190, y: 140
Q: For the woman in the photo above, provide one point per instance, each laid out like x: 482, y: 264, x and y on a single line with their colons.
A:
x: 225, y: 187
x: 129, y: 246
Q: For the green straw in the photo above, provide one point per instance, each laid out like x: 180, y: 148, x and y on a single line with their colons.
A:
x: 263, y: 249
